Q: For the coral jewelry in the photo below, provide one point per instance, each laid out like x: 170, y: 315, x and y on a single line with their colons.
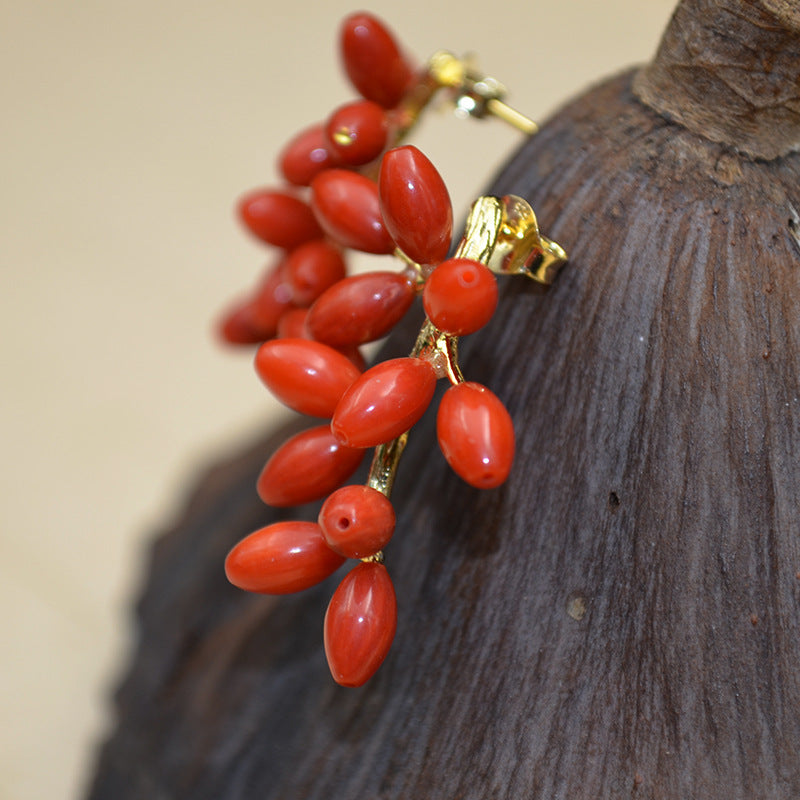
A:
x: 368, y: 192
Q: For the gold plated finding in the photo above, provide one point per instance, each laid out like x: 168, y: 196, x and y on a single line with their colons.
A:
x: 471, y: 94
x: 503, y: 234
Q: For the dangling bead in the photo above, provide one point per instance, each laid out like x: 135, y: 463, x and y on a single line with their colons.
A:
x: 357, y: 521
x: 346, y: 205
x: 360, y: 624
x: 311, y: 269
x: 307, y: 467
x: 360, y: 308
x: 306, y: 156
x: 384, y: 402
x: 460, y: 296
x: 278, y: 218
x: 476, y: 435
x: 307, y: 376
x: 415, y: 205
x: 357, y: 132
x: 282, y: 558
x: 373, y: 61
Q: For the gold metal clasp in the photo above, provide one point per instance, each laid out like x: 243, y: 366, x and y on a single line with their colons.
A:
x: 475, y: 95
x: 502, y: 232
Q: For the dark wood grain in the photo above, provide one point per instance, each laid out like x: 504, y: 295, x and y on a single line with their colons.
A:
x: 621, y: 619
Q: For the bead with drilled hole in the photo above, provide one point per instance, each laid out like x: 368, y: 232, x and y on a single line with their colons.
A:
x: 460, y: 296
x: 357, y: 521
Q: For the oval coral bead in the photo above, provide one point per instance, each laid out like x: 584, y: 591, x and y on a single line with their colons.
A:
x: 346, y: 205
x: 360, y: 309
x: 307, y: 376
x: 307, y: 467
x: 312, y: 268
x: 384, y: 402
x: 357, y: 132
x: 357, y: 521
x: 279, y: 218
x: 292, y: 324
x: 460, y: 296
x: 360, y: 624
x: 415, y: 205
x: 476, y: 435
x: 306, y: 156
x: 373, y: 61
x: 282, y: 558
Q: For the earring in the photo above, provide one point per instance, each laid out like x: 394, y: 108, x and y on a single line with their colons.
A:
x: 368, y: 192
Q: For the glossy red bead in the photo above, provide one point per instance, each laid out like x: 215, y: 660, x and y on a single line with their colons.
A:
x: 415, y: 205
x: 460, y: 296
x: 282, y: 558
x: 373, y: 61
x: 307, y: 376
x: 235, y: 325
x: 272, y: 297
x: 292, y: 324
x: 360, y: 309
x: 306, y: 156
x: 357, y: 521
x: 279, y: 218
x: 312, y: 268
x: 346, y: 206
x: 384, y: 402
x: 360, y: 624
x: 476, y: 435
x: 357, y: 132
x: 307, y: 467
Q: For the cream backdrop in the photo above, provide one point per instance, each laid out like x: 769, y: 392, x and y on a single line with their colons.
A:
x: 128, y: 131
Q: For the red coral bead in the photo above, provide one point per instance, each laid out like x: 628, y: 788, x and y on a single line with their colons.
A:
x: 236, y: 325
x: 373, y: 61
x: 476, y: 435
x: 460, y: 296
x: 357, y: 521
x: 346, y: 205
x: 282, y: 558
x: 312, y: 268
x: 360, y: 624
x: 415, y: 205
x: 279, y: 218
x: 309, y: 377
x: 360, y: 309
x: 307, y: 467
x: 384, y: 402
x: 306, y: 156
x: 357, y: 132
x: 292, y: 324
x: 271, y: 299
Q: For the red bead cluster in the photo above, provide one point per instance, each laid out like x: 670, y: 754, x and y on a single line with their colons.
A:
x: 320, y: 317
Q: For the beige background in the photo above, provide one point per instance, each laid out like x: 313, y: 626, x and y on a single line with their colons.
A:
x: 128, y: 129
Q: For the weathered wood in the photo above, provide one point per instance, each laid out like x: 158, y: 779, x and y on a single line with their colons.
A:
x: 621, y: 618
